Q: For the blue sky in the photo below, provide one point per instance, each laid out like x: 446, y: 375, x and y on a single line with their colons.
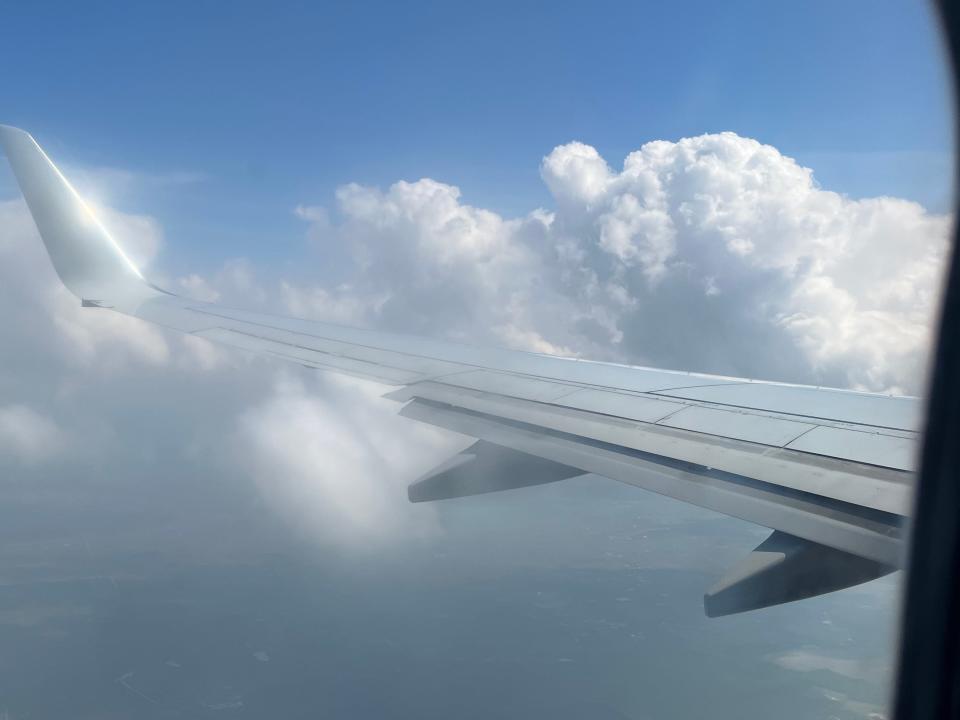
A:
x: 268, y: 107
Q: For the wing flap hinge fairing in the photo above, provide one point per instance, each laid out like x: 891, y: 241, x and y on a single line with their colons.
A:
x: 484, y: 468
x: 784, y: 568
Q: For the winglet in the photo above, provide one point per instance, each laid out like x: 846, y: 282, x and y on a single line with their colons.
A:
x: 87, y: 258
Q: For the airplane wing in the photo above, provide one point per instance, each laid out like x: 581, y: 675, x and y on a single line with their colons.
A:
x: 829, y: 471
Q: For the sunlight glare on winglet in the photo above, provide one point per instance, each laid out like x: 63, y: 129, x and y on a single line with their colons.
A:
x: 90, y: 213
x: 89, y: 261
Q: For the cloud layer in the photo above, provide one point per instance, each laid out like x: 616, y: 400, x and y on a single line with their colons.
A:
x: 713, y: 253
x: 107, y: 409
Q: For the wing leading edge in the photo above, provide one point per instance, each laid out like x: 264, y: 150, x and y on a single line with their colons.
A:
x: 828, y: 471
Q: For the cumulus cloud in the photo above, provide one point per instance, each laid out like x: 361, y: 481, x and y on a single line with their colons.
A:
x: 714, y: 253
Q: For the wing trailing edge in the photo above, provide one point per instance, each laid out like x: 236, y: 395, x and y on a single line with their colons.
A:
x: 783, y: 568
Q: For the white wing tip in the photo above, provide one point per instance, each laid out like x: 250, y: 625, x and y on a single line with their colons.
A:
x: 88, y: 260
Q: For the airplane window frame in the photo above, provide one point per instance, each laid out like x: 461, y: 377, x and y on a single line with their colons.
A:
x: 928, y: 675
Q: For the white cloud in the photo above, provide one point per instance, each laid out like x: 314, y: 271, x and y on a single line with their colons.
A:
x: 107, y: 340
x: 337, y: 463
x: 339, y: 306
x: 139, y: 235
x: 79, y: 336
x: 198, y: 288
x: 28, y: 436
x: 576, y: 173
x: 122, y: 399
x: 714, y: 253
x: 811, y: 661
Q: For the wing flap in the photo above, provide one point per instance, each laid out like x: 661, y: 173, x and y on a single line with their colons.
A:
x: 859, y: 446
x: 881, y: 411
x: 737, y: 425
x: 517, y: 386
x: 874, y: 487
x: 854, y: 529
x: 623, y: 405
